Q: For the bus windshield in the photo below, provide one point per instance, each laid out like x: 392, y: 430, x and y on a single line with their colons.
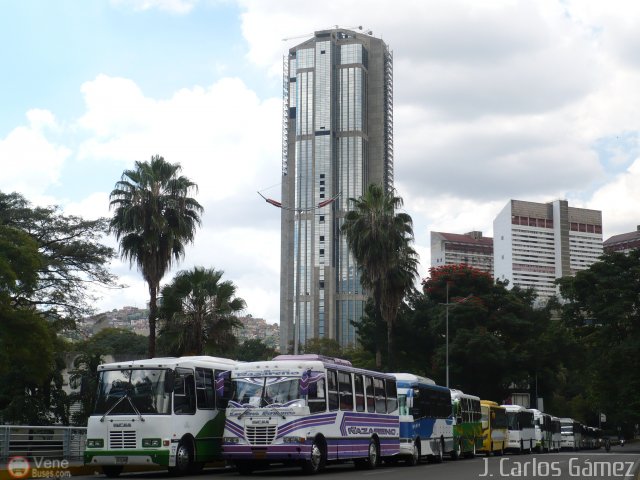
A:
x: 512, y: 417
x: 267, y: 391
x: 121, y: 390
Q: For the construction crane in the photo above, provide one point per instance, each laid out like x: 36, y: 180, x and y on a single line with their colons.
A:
x: 359, y: 27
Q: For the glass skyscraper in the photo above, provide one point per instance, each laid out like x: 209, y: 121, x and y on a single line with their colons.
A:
x: 337, y: 139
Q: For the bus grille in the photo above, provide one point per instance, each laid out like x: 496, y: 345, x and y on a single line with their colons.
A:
x: 262, y: 435
x: 122, y: 439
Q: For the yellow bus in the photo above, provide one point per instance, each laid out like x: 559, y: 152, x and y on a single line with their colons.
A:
x: 494, y: 427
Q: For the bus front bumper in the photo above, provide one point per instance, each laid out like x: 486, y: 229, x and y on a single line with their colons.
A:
x: 149, y: 458
x: 279, y: 452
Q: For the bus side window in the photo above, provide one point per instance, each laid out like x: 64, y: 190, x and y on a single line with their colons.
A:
x: 346, y: 391
x: 205, y: 394
x: 316, y: 398
x: 371, y: 398
x: 381, y: 404
x: 332, y: 388
x: 227, y: 393
x: 184, y: 395
x: 359, y: 384
x: 392, y: 396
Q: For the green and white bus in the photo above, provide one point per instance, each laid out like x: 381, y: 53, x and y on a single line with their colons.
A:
x: 158, y: 412
x: 467, y: 429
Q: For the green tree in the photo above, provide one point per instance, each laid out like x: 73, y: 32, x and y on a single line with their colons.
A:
x: 48, y: 261
x: 83, y: 378
x: 496, y: 337
x: 115, y: 341
x: 154, y: 218
x: 199, y: 310
x: 601, y: 310
x: 379, y: 239
x: 71, y: 258
x: 254, y: 350
x: 323, y: 346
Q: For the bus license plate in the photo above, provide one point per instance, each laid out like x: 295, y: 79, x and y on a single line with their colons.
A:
x: 260, y: 454
x: 122, y: 460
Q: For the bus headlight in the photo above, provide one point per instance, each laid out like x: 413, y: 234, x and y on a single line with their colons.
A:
x: 230, y: 440
x: 151, y: 442
x: 95, y: 443
x: 293, y: 439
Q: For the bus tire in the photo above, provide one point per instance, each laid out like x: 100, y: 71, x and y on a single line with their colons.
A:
x: 521, y: 448
x: 316, y: 461
x: 372, y: 459
x: 530, y: 447
x: 414, y: 459
x: 472, y: 453
x: 490, y: 451
x: 112, y: 471
x: 456, y: 453
x: 184, y: 459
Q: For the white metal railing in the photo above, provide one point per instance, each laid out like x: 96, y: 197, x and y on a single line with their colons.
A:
x: 51, y: 442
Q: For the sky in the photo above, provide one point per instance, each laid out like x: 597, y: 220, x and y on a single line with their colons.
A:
x: 493, y: 100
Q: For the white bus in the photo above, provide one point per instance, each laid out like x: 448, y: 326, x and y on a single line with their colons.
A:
x: 544, y: 430
x: 426, y: 419
x: 522, y: 433
x: 157, y: 412
x: 571, y: 433
x: 309, y: 410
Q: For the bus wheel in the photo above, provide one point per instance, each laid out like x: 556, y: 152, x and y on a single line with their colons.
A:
x: 530, y: 447
x: 490, y: 451
x: 456, y: 453
x: 521, y: 448
x: 372, y: 457
x: 184, y: 460
x: 112, y: 471
x: 316, y: 461
x: 414, y: 459
x: 471, y: 453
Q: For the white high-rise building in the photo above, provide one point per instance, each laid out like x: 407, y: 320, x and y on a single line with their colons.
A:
x: 536, y: 243
x: 469, y: 249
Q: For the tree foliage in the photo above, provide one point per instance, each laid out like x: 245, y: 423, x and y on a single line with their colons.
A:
x: 602, y: 311
x: 70, y: 257
x: 154, y: 218
x: 199, y: 313
x: 254, y: 350
x: 379, y: 238
x: 48, y: 262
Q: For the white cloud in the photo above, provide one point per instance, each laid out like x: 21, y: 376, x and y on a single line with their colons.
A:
x: 30, y: 161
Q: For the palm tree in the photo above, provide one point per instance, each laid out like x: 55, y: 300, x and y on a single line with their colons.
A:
x: 199, y: 310
x: 154, y: 219
x: 380, y: 242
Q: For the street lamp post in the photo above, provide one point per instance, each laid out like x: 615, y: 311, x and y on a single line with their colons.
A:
x: 447, y: 335
x: 447, y: 329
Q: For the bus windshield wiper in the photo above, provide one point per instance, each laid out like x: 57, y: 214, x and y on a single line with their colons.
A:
x: 134, y: 408
x: 113, y: 406
x: 243, y: 413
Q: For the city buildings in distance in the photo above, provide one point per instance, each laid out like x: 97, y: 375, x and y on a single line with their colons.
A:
x: 536, y: 243
x: 469, y: 249
x: 625, y: 242
x: 337, y: 139
x: 258, y: 328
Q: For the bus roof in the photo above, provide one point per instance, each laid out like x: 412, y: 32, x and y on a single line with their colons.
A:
x: 514, y: 408
x: 457, y: 394
x: 295, y: 363
x: 490, y: 403
x: 316, y: 357
x: 411, y: 378
x: 169, y: 362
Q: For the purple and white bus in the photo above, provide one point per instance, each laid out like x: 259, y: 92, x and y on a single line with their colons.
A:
x: 309, y: 410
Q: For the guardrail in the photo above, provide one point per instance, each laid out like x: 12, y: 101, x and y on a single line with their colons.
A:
x: 49, y: 442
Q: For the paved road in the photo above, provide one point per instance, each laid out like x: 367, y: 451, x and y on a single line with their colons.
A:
x: 583, y: 465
